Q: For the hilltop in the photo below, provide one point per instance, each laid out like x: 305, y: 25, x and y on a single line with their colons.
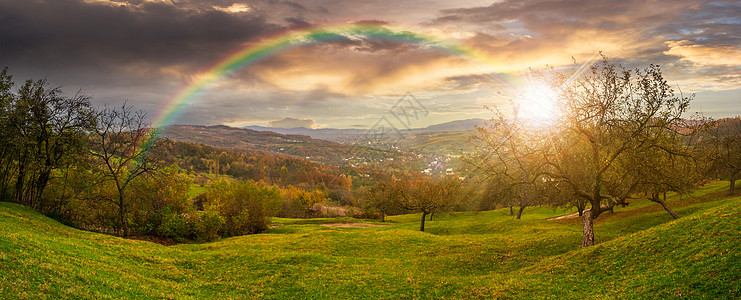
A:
x: 411, y: 153
x: 295, y: 145
x: 353, y: 134
x: 640, y: 253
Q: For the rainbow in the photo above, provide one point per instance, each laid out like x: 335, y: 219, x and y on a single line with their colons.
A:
x: 270, y: 45
x: 253, y: 52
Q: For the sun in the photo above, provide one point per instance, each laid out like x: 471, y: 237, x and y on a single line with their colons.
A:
x: 538, y: 104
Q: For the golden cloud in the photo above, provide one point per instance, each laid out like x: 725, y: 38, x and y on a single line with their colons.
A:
x: 115, y: 3
x: 234, y: 8
x: 349, y: 72
x: 705, y: 55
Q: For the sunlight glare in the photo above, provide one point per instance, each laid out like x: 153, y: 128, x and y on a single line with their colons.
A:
x: 538, y: 104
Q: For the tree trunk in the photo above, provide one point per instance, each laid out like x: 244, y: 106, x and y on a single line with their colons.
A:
x: 122, y: 215
x: 588, y: 238
x: 669, y: 209
x: 655, y: 198
x: 511, y: 212
x: 422, y: 226
x: 19, y: 184
x: 519, y: 212
x: 20, y: 180
x: 431, y: 216
x: 383, y: 217
x: 4, y: 176
x: 732, y: 189
x: 43, y: 180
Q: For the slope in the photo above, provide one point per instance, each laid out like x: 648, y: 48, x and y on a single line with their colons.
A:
x: 642, y: 253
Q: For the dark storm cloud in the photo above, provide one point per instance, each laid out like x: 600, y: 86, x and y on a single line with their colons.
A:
x: 704, y: 22
x: 73, y: 34
x: 140, y: 51
x: 603, y: 14
x: 716, y: 23
x: 684, y: 34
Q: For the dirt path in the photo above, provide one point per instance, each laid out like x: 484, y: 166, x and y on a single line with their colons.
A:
x: 569, y: 216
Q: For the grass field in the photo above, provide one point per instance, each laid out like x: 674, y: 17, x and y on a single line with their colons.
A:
x: 640, y: 253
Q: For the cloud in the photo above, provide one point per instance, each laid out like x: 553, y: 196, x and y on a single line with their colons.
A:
x: 234, y: 8
x: 364, y: 66
x: 73, y: 34
x: 141, y: 51
x: 684, y: 34
x: 293, y: 123
x: 705, y: 55
x: 148, y: 50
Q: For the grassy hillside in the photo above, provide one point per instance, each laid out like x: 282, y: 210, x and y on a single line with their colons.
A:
x: 446, y: 142
x: 641, y: 253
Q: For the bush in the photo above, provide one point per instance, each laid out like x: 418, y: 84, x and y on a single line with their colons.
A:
x: 246, y: 207
x: 209, y: 225
x: 366, y: 215
x: 291, y: 208
x: 300, y: 203
x: 326, y: 211
x: 341, y: 196
x: 176, y: 226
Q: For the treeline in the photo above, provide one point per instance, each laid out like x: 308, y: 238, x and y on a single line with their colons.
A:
x: 104, y: 169
x: 42, y: 133
x: 91, y: 168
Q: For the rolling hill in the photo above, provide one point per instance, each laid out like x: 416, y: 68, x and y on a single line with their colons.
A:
x: 412, y: 153
x: 641, y: 252
x: 316, y: 150
x: 341, y: 135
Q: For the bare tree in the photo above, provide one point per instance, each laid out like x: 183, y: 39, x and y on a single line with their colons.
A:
x: 722, y: 144
x: 121, y: 150
x: 509, y: 152
x: 668, y: 164
x: 609, y: 116
x: 427, y: 196
x: 382, y: 199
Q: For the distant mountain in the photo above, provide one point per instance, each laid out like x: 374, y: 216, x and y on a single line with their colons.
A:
x: 303, y: 146
x: 460, y: 125
x: 343, y: 135
x: 331, y: 134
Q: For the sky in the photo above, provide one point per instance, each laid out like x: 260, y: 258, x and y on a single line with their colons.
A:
x: 144, y: 52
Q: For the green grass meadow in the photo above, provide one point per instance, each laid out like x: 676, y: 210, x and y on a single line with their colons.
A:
x: 641, y: 252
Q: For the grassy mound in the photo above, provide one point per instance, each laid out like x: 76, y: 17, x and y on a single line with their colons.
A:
x: 696, y: 257
x: 641, y: 253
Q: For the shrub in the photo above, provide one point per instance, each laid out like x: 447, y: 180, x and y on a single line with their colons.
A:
x: 300, y: 203
x: 245, y: 206
x: 366, y: 215
x: 209, y: 224
x: 291, y: 208
x: 176, y: 226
